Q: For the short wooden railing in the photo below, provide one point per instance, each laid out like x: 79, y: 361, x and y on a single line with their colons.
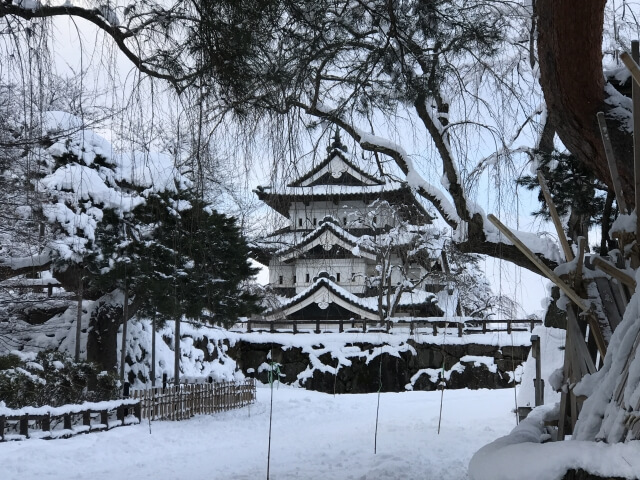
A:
x: 184, y: 401
x: 462, y: 325
x: 67, y: 420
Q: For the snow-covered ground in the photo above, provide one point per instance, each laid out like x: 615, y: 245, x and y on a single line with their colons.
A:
x: 314, y: 436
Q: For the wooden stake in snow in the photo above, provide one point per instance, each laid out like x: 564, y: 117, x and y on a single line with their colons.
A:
x: 546, y: 271
x: 601, y: 264
x: 611, y: 160
x: 555, y: 217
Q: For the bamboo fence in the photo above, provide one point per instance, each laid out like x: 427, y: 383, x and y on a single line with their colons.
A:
x: 184, y: 401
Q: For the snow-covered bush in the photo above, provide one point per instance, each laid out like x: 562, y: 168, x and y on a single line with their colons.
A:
x: 52, y: 378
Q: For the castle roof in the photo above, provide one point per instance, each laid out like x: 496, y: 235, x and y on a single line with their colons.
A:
x: 338, y: 178
x: 288, y: 244
x: 329, y: 233
x: 336, y: 169
x: 323, y: 292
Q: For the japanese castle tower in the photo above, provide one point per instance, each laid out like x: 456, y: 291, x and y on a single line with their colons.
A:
x: 348, y: 229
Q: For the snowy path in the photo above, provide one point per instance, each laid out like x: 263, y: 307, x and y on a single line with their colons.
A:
x: 315, y: 436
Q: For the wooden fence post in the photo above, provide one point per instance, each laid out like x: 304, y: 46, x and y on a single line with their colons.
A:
x: 341, y: 325
x: 364, y: 325
x: 317, y: 326
x: 86, y: 418
x: 24, y: 425
x: 67, y: 421
x: 459, y: 329
x: 537, y: 381
x: 295, y: 327
x: 46, y: 423
x: 249, y: 326
x: 3, y: 421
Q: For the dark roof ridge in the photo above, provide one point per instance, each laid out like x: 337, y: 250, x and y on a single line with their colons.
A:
x: 334, y: 151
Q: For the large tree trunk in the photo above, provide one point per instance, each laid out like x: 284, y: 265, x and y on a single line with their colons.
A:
x: 570, y: 56
x: 102, y: 341
x: 105, y: 321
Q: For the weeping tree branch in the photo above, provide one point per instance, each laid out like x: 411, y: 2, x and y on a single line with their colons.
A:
x: 119, y: 34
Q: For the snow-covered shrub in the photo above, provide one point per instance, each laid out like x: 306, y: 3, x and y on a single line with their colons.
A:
x: 52, y: 378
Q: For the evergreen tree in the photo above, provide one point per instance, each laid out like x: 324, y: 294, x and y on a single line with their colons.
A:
x: 190, y: 260
x: 576, y: 193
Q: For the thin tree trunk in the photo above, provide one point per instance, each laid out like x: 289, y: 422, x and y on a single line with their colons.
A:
x: 176, y: 363
x: 153, y: 351
x: 79, y: 318
x: 606, y: 224
x: 125, y: 321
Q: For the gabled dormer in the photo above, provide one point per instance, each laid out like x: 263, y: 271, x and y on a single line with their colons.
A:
x: 337, y: 169
x: 330, y: 239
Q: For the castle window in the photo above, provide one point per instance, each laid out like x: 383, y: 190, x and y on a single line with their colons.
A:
x: 315, y: 221
x: 344, y: 220
x: 307, y: 278
x: 294, y: 279
x: 280, y: 280
x: 338, y: 277
x: 300, y: 222
x: 375, y: 220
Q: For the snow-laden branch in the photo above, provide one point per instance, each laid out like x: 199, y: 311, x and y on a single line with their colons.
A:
x: 14, y: 266
x: 475, y: 234
x: 106, y: 20
x: 373, y: 143
x: 436, y: 131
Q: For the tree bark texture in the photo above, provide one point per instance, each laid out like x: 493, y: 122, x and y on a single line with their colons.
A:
x: 102, y: 340
x: 572, y: 80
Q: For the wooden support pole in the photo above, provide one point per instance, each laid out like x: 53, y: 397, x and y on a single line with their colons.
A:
x: 317, y: 326
x: 582, y: 246
x: 611, y: 160
x: 566, y: 248
x: 631, y: 65
x: 546, y: 271
x: 537, y: 381
x: 581, y: 360
x: 601, y: 264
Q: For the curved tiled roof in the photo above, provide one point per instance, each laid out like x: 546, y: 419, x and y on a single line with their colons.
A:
x: 327, y: 224
x: 332, y: 154
x: 367, y: 304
